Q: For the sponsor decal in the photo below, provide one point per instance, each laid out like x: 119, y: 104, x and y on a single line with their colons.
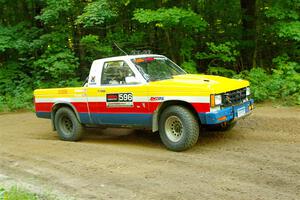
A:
x: 156, y: 98
x: 93, y: 80
x: 112, y: 97
x: 119, y: 100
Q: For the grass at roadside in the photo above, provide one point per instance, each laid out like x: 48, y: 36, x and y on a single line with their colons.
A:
x: 16, y: 193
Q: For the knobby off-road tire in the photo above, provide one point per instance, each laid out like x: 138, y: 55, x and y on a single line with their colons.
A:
x: 178, y: 128
x: 67, y: 125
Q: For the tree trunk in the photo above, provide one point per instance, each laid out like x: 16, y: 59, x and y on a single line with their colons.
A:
x: 248, y: 51
x: 170, y: 46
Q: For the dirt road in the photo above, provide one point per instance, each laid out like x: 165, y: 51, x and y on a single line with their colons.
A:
x: 258, y: 159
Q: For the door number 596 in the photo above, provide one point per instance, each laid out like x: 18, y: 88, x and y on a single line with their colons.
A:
x: 125, y: 97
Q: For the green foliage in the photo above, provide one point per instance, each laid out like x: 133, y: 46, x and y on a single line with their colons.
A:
x: 287, y: 14
x: 56, y: 65
x: 93, y: 47
x: 260, y: 83
x: 283, y: 83
x: 224, y: 52
x: 221, y: 71
x: 5, y: 38
x: 54, y: 10
x: 10, y: 78
x: 17, y: 100
x: 15, y: 193
x: 190, y: 67
x: 3, y: 193
x: 283, y: 26
x: 290, y: 30
x: 187, y: 47
x: 19, y: 38
x: 283, y: 9
x: 96, y: 13
x: 50, y: 43
x: 287, y: 75
x: 15, y: 88
x: 171, y: 17
x: 2, y: 107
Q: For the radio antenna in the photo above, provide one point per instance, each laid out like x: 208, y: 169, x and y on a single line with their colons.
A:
x: 120, y: 48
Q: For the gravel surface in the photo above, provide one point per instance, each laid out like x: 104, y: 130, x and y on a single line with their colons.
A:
x: 258, y: 159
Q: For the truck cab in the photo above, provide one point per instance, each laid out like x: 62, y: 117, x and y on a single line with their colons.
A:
x: 146, y: 92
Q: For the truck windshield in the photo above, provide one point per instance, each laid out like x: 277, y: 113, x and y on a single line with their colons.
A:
x: 157, y: 68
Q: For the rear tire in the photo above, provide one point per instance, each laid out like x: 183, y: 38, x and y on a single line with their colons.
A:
x: 67, y: 125
x: 178, y: 128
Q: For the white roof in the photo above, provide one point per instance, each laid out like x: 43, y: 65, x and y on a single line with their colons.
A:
x: 129, y: 57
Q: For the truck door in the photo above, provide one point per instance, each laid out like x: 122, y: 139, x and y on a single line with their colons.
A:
x: 118, y: 100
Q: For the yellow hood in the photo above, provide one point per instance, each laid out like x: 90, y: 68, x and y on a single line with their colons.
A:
x: 209, y: 83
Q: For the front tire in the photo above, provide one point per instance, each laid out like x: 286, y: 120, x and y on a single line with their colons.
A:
x: 178, y: 128
x: 67, y: 125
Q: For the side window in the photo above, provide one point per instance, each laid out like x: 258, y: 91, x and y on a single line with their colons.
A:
x: 115, y: 73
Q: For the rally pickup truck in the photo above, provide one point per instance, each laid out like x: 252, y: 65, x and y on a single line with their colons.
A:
x: 146, y: 92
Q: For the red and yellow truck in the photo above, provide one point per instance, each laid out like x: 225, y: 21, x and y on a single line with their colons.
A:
x: 146, y: 92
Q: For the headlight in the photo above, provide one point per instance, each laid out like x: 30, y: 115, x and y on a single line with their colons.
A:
x: 215, y: 100
x: 248, y: 92
x: 218, y: 100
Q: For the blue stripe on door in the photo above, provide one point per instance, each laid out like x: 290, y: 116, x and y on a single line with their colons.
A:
x: 138, y: 120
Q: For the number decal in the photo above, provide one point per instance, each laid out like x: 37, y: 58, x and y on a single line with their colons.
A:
x: 130, y: 97
x: 120, y: 97
x: 125, y: 97
x: 119, y: 100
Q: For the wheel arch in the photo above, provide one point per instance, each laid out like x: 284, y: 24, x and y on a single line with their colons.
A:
x: 157, y: 113
x: 59, y: 105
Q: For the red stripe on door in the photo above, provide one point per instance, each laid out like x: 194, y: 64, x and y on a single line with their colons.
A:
x: 100, y: 107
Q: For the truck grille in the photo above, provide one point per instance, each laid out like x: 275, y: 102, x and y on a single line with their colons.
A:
x: 234, y: 97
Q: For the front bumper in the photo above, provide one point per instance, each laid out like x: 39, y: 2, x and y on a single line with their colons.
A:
x: 227, y: 114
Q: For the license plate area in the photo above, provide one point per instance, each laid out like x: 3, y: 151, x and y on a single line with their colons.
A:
x: 241, y: 112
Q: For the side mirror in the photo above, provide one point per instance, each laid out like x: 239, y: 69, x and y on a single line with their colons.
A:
x: 131, y: 80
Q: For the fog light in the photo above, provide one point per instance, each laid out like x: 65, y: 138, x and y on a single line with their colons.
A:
x: 251, y: 107
x: 222, y: 118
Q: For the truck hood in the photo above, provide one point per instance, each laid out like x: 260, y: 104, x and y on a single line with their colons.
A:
x: 213, y: 84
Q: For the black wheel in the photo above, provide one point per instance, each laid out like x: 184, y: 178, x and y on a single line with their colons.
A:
x: 226, y: 126
x: 178, y: 128
x: 67, y: 125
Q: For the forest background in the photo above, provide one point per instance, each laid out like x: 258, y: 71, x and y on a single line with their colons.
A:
x: 52, y: 43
